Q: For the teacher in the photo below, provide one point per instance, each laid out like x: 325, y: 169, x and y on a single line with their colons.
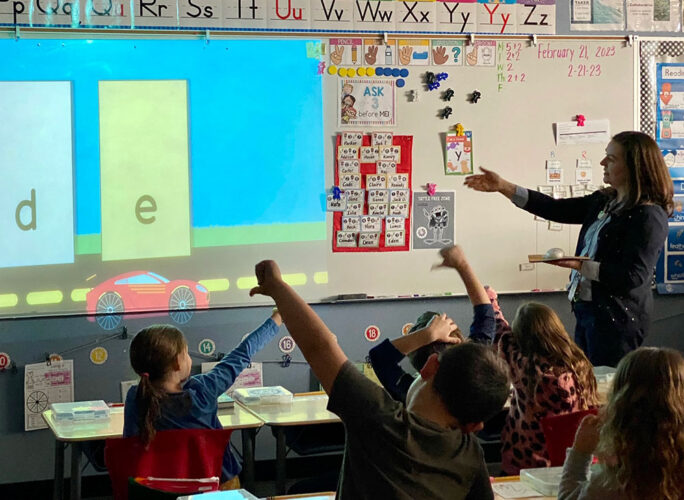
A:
x: 623, y: 230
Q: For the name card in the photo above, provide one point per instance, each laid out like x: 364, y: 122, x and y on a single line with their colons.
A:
x: 376, y: 181
x: 346, y: 239
x: 378, y: 196
x: 369, y: 240
x: 394, y: 238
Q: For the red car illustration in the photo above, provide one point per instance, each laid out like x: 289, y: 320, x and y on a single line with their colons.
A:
x: 145, y: 291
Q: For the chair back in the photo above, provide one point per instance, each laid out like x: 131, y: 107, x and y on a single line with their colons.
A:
x: 182, y: 454
x: 559, y: 432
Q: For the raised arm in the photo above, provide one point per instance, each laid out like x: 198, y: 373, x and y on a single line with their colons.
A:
x: 223, y: 375
x: 455, y: 258
x: 483, y: 327
x: 386, y: 356
x: 316, y: 341
x: 438, y: 330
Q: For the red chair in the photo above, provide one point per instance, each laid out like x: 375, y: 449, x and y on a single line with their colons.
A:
x: 559, y: 432
x: 180, y: 454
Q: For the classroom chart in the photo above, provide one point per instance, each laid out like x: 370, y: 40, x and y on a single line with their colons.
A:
x: 152, y: 174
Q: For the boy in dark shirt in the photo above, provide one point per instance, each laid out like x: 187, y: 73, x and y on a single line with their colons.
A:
x: 419, y: 451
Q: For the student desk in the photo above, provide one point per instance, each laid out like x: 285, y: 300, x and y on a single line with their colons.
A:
x: 75, y: 434
x: 305, y: 409
x: 516, y: 479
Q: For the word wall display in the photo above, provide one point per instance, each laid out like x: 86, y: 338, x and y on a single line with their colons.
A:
x: 371, y: 199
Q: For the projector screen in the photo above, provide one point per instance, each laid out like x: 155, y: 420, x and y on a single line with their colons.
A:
x: 151, y: 175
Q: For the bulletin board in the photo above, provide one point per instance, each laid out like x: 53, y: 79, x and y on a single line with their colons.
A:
x: 247, y: 165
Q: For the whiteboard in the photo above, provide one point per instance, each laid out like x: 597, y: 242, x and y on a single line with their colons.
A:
x: 274, y: 206
x: 530, y: 89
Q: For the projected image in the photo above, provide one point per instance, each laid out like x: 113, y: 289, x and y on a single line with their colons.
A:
x: 159, y: 155
x: 145, y: 291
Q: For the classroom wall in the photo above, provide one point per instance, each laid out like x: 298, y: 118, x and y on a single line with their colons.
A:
x: 29, y: 456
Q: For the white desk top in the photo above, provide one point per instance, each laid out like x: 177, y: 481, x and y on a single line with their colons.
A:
x: 304, y: 409
x: 231, y: 418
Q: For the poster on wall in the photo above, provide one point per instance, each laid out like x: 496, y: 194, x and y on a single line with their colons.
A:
x: 433, y: 220
x: 654, y: 15
x: 670, y: 138
x: 597, y: 15
x: 363, y: 103
x: 458, y: 154
x: 45, y: 384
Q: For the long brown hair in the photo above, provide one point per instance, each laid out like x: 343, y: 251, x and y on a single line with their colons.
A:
x: 154, y: 350
x: 649, y: 178
x: 540, y: 334
x: 642, y: 437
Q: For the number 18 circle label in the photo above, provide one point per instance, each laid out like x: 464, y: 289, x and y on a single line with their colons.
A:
x: 372, y: 333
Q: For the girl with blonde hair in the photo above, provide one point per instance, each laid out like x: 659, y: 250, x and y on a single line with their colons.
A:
x: 638, y: 437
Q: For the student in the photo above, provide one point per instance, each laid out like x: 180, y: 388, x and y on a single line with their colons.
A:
x: 433, y: 333
x: 622, y: 233
x: 551, y: 376
x: 168, y: 398
x: 638, y: 437
x: 422, y: 450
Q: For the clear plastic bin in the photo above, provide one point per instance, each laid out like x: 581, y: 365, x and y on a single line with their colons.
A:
x: 80, y: 411
x: 263, y: 395
x: 545, y: 480
x: 604, y: 374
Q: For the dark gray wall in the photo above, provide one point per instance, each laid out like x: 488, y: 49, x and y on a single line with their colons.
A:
x: 29, y: 455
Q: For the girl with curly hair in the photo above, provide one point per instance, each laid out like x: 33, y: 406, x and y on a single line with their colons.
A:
x: 638, y: 437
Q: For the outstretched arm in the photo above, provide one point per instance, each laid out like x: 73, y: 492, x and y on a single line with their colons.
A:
x: 316, y: 341
x: 226, y: 371
x: 483, y: 327
x: 490, y: 182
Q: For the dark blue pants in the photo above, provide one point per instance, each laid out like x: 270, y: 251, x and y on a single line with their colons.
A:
x: 603, y: 348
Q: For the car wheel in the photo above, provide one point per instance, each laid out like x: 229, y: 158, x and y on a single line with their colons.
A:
x: 182, y: 298
x: 109, y: 309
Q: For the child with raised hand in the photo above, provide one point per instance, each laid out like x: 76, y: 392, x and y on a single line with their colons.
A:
x: 423, y: 449
x: 432, y: 332
x: 167, y: 397
x: 551, y: 376
x: 638, y: 436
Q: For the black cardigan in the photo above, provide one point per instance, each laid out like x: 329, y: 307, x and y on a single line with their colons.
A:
x: 628, y: 249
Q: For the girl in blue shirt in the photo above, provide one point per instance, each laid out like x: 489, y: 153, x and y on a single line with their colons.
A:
x: 169, y: 398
